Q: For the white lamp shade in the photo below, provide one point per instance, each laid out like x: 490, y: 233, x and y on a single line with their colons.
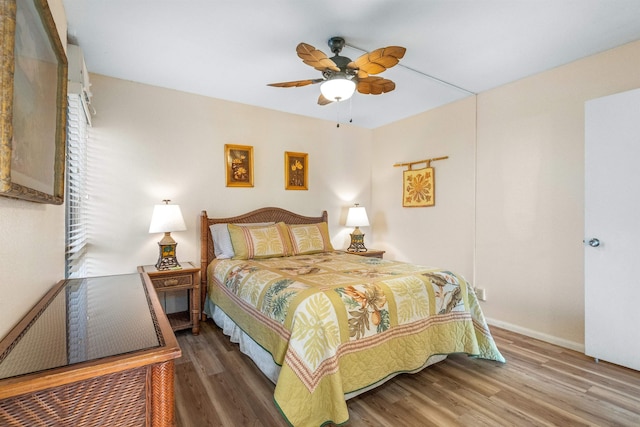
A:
x: 338, y: 89
x: 166, y: 218
x: 357, y: 217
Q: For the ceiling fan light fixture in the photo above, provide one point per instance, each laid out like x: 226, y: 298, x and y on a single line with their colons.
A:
x: 338, y: 89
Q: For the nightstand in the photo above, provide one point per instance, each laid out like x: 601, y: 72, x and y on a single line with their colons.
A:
x: 371, y: 253
x: 186, y: 278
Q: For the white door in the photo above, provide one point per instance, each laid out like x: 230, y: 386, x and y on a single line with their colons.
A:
x: 612, y: 229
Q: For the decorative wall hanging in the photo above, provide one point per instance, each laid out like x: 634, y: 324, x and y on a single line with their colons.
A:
x: 239, y: 165
x: 295, y: 171
x: 33, y: 94
x: 419, y: 185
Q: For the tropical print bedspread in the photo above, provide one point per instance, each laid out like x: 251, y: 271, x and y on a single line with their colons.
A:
x: 338, y: 322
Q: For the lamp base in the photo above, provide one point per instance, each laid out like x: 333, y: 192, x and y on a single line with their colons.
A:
x: 167, y: 259
x: 357, y: 243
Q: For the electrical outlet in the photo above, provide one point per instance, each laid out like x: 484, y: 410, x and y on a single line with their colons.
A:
x: 481, y: 293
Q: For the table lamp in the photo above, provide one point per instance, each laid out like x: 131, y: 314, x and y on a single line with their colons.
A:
x: 165, y: 219
x: 357, y: 217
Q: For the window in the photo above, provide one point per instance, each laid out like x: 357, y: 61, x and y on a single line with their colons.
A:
x: 76, y: 183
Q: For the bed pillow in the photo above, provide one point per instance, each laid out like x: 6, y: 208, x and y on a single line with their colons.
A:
x: 309, y: 238
x: 222, y: 247
x: 260, y: 241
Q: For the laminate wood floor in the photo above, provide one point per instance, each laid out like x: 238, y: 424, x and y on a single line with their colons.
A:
x: 540, y: 385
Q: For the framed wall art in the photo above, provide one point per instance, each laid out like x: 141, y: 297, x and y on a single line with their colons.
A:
x: 33, y: 93
x: 296, y: 168
x: 239, y: 165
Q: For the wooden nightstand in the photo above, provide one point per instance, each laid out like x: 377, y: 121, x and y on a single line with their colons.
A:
x: 371, y: 253
x: 187, y: 278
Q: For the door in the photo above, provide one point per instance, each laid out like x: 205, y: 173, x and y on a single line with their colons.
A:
x: 612, y: 229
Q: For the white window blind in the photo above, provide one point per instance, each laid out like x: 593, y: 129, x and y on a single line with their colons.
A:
x: 76, y: 188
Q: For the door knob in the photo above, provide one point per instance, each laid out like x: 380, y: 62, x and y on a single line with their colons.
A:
x: 594, y: 243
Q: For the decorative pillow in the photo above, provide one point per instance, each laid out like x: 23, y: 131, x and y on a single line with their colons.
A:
x: 309, y: 238
x: 260, y: 241
x: 222, y: 247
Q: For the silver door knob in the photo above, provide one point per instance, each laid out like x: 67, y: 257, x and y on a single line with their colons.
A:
x: 594, y: 243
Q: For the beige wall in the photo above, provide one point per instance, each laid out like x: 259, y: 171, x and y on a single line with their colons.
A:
x: 32, y: 236
x: 441, y: 235
x: 529, y: 192
x: 149, y: 143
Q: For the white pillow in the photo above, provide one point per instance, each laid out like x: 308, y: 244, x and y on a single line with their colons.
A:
x: 222, y: 247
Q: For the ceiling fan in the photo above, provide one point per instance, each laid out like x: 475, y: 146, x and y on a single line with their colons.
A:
x: 341, y: 76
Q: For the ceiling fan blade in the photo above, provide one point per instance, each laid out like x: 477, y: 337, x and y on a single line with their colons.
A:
x: 375, y: 86
x: 297, y: 83
x: 323, y: 101
x: 315, y: 58
x: 379, y: 60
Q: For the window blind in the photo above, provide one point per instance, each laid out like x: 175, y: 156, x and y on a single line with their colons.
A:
x: 76, y: 188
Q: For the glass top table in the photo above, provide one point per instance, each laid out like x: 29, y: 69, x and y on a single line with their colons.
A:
x: 84, y: 320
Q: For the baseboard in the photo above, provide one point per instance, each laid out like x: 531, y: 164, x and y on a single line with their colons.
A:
x: 572, y: 345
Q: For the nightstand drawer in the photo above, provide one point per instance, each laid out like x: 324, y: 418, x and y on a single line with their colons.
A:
x: 165, y: 281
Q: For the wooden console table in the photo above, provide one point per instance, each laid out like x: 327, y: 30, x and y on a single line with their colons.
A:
x: 93, y: 352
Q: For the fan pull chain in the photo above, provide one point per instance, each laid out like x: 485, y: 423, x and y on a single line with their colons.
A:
x: 351, y: 110
x: 338, y: 112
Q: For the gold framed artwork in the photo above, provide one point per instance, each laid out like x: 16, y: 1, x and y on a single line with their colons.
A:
x: 33, y: 94
x: 239, y: 165
x: 296, y: 168
x: 418, y: 187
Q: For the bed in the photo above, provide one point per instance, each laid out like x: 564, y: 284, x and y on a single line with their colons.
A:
x: 326, y: 325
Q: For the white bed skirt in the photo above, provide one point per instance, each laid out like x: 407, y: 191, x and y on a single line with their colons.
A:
x: 263, y: 359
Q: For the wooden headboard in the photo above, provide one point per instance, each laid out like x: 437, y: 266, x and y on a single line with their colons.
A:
x: 259, y: 215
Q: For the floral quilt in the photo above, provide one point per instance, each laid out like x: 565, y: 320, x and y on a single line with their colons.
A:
x: 337, y: 323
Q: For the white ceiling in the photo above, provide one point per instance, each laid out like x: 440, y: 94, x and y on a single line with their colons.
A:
x: 231, y: 49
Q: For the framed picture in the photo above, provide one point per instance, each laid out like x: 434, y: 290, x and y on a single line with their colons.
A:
x: 239, y: 165
x: 418, y: 188
x: 33, y: 90
x: 296, y: 168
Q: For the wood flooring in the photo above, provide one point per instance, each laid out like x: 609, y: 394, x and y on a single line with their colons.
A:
x: 540, y: 385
